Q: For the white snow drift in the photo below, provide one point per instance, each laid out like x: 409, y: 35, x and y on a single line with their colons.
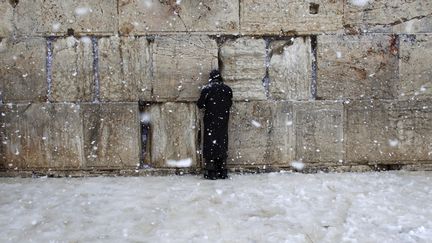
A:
x: 279, y: 207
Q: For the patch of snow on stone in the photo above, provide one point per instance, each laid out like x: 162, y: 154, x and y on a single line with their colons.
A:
x: 180, y: 163
x: 359, y: 3
x: 80, y: 11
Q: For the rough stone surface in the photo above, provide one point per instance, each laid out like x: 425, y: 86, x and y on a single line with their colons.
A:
x: 290, y: 70
x: 422, y: 25
x: 136, y: 65
x: 388, y: 131
x: 111, y: 135
x: 415, y: 67
x: 174, y: 133
x: 261, y: 132
x: 72, y: 69
x: 244, y: 68
x: 41, y: 136
x: 83, y: 16
x: 290, y: 16
x: 143, y: 17
x: 22, y: 72
x: 319, y: 131
x: 357, y: 67
x: 112, y: 84
x: 124, y: 69
x: 181, y: 65
x: 384, y: 16
x: 6, y: 18
x: 28, y: 18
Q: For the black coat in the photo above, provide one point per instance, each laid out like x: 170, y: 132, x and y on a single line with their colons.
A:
x: 216, y: 99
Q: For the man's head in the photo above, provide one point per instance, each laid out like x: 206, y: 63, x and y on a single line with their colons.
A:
x: 215, y: 76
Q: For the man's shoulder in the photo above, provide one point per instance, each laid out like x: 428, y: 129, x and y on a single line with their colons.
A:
x: 227, y: 87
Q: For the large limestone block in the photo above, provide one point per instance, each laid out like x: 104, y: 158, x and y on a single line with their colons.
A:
x: 28, y: 18
x: 319, y: 131
x: 388, y: 16
x: 124, y: 69
x: 290, y: 16
x: 357, y: 67
x: 152, y: 16
x: 243, y: 67
x: 83, y: 16
x: 112, y: 85
x: 388, y: 131
x: 111, y: 135
x: 181, y: 66
x: 6, y: 18
x: 174, y: 134
x: 22, y: 72
x: 261, y: 133
x: 41, y: 136
x: 72, y: 69
x: 290, y: 70
x: 415, y: 67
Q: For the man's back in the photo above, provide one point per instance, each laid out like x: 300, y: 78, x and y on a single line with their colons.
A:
x: 216, y: 99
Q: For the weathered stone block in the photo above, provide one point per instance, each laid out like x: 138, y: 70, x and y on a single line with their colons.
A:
x: 72, y: 69
x: 112, y: 85
x: 261, y: 133
x: 136, y: 64
x: 357, y: 67
x: 174, y: 133
x: 6, y: 18
x: 388, y: 131
x: 124, y: 69
x: 150, y: 16
x: 290, y: 70
x: 290, y: 16
x: 414, y: 64
x: 319, y: 131
x: 416, y: 25
x: 181, y: 65
x: 96, y: 16
x: 111, y: 135
x: 244, y: 67
x: 28, y: 18
x: 22, y: 72
x: 41, y: 136
x: 385, y: 16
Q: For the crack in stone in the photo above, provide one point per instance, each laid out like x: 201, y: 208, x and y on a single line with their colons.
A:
x: 49, y: 59
x: 96, y: 85
x: 266, y: 79
x: 401, y: 20
x: 314, y: 46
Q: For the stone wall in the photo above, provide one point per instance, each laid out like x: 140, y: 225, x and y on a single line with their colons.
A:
x: 112, y: 84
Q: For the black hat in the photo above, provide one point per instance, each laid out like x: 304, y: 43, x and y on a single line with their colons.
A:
x: 214, y: 74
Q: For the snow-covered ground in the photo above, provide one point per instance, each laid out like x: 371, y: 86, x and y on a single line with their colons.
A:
x: 278, y: 207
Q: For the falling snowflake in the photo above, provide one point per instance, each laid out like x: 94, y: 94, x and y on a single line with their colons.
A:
x: 255, y: 123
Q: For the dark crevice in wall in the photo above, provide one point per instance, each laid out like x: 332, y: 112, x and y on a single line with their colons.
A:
x: 150, y: 40
x: 49, y: 59
x: 314, y: 48
x: 96, y: 85
x: 266, y: 79
x: 14, y: 3
x: 386, y: 167
x: 395, y: 50
x: 220, y: 42
x: 313, y: 8
x: 145, y: 132
x: 70, y: 32
x: 239, y: 15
